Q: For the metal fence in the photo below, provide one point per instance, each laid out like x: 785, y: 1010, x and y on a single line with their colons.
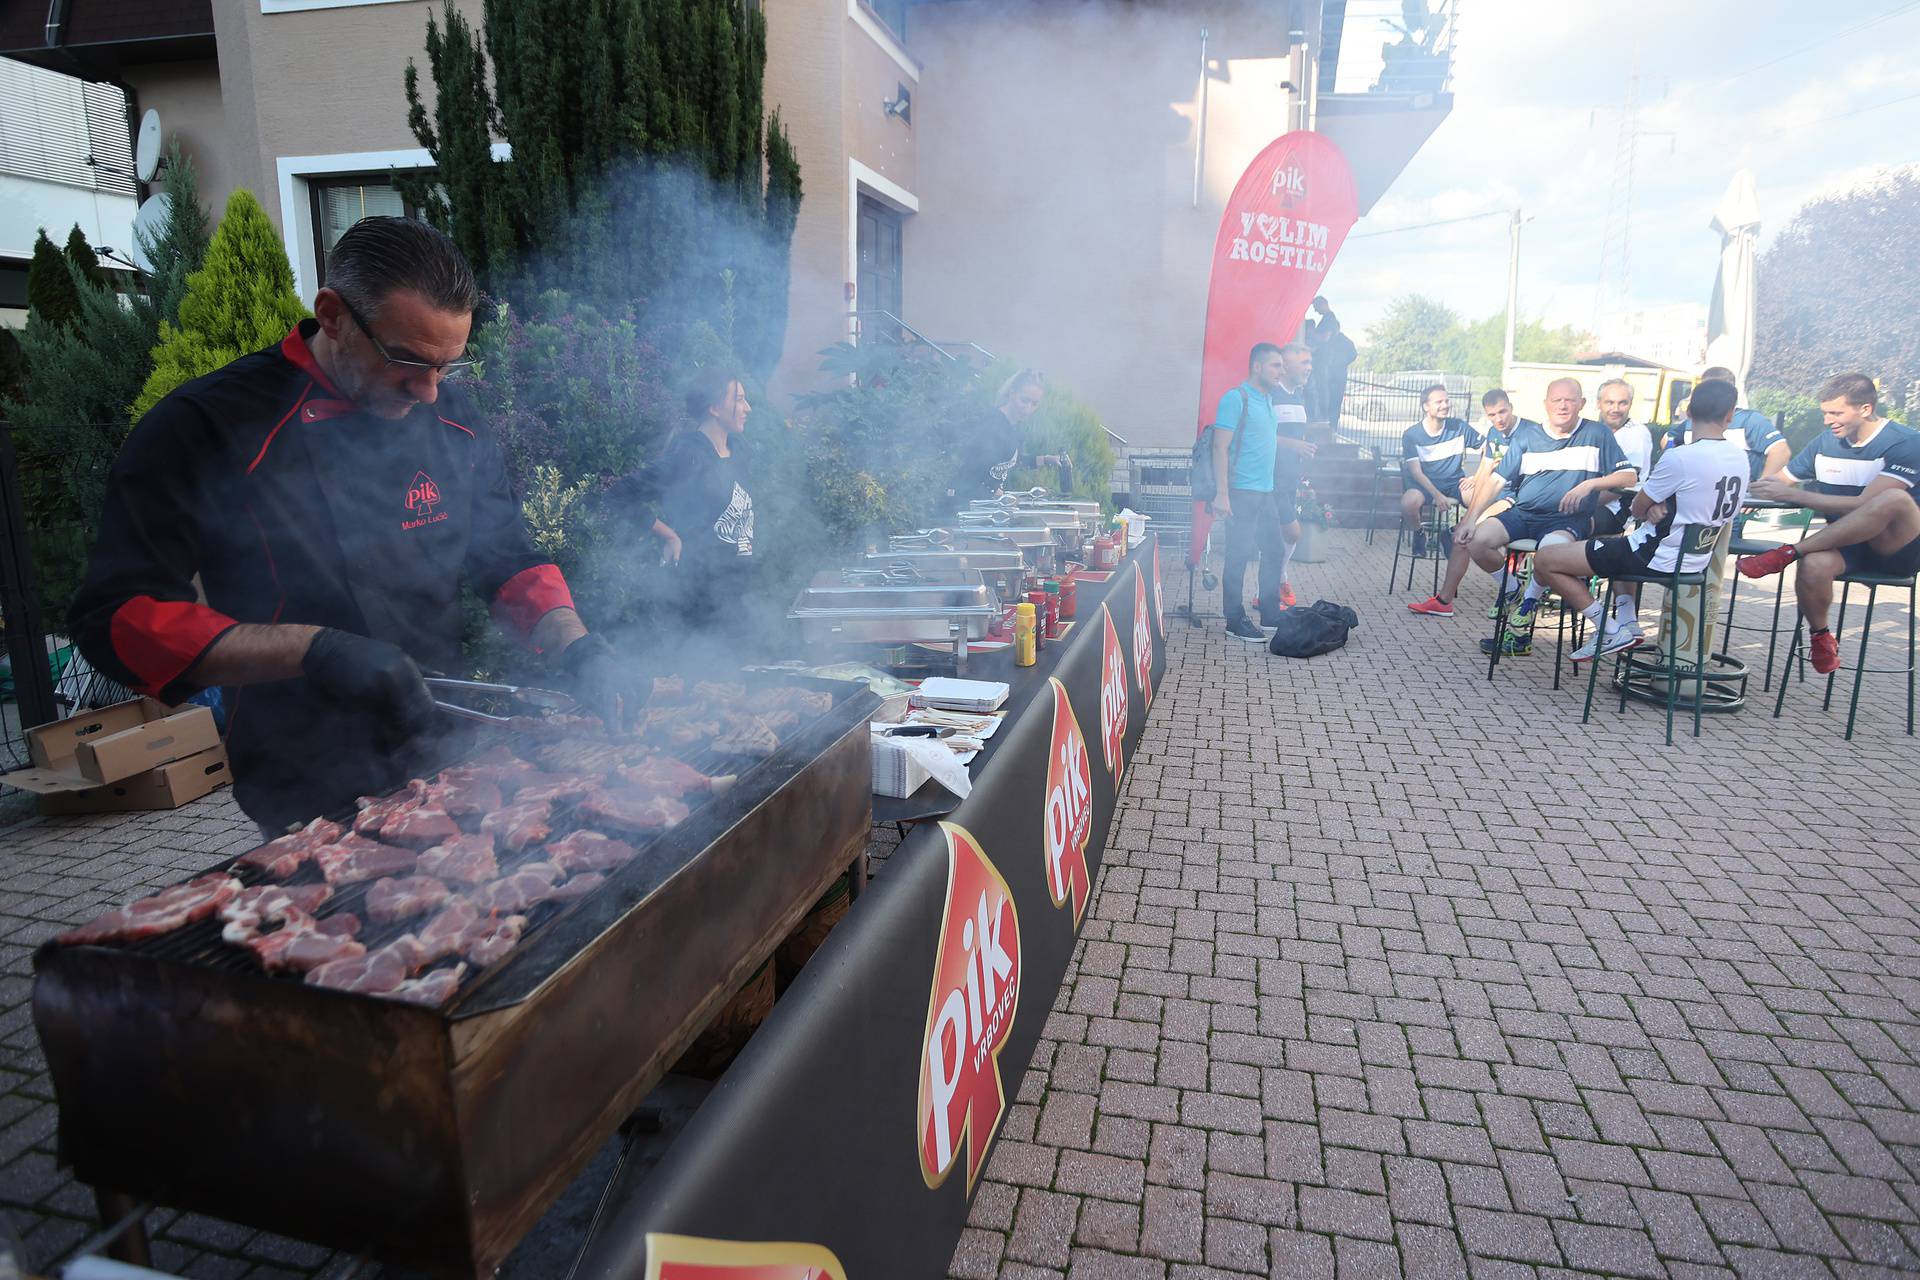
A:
x: 1379, y: 407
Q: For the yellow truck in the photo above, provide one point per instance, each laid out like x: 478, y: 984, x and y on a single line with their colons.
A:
x: 1659, y: 393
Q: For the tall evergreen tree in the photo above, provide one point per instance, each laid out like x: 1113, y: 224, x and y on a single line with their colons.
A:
x: 180, y: 247
x: 86, y: 263
x: 643, y: 166
x: 51, y: 292
x: 240, y: 301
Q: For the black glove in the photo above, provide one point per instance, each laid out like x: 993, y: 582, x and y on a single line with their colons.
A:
x: 604, y: 685
x: 375, y: 675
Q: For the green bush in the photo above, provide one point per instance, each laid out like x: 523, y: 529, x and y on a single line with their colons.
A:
x: 1804, y: 420
x: 1066, y: 424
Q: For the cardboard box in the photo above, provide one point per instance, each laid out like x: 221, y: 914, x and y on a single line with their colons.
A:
x: 123, y: 757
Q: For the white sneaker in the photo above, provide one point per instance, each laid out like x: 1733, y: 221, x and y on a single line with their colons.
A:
x: 1618, y: 637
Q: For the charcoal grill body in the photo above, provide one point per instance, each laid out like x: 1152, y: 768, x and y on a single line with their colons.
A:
x: 436, y: 1138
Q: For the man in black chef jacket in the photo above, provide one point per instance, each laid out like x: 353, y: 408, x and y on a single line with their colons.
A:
x: 296, y: 525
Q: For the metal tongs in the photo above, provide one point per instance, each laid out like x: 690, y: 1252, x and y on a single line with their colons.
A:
x: 1013, y: 499
x: 930, y: 538
x: 537, y: 702
x: 894, y: 575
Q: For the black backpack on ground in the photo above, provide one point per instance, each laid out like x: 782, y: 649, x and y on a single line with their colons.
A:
x: 1306, y: 631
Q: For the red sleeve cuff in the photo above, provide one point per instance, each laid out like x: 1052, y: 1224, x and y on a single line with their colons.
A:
x: 529, y: 596
x: 160, y: 640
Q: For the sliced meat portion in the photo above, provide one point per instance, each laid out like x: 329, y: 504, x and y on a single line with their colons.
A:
x: 518, y: 825
x: 281, y: 858
x: 680, y: 728
x: 518, y: 890
x: 377, y: 811
x: 253, y: 909
x: 625, y: 809
x: 802, y: 702
x: 430, y: 989
x: 490, y: 940
x: 403, y: 897
x: 663, y: 775
x: 373, y: 973
x: 556, y: 726
x: 424, y: 825
x: 164, y: 912
x: 666, y: 689
x: 555, y: 786
x: 589, y: 851
x: 745, y: 734
x: 445, y: 934
x: 578, y: 887
x: 719, y: 691
x: 304, y: 944
x: 466, y: 797
x: 355, y: 858
x: 499, y: 766
x: 465, y: 859
x: 595, y: 758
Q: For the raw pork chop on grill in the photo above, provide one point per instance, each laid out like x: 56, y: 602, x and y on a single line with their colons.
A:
x: 251, y: 909
x: 518, y: 890
x: 499, y: 766
x: 518, y: 825
x: 555, y: 786
x: 467, y: 796
x: 164, y: 912
x: 355, y: 858
x: 745, y: 734
x: 303, y: 944
x: 490, y: 940
x: 462, y: 929
x: 594, y: 757
x: 375, y: 973
x: 431, y: 989
x: 625, y: 809
x: 426, y: 824
x: 663, y: 775
x: 578, y: 887
x: 717, y: 691
x: 589, y: 851
x: 403, y: 897
x: 376, y: 812
x: 281, y: 858
x: 465, y: 859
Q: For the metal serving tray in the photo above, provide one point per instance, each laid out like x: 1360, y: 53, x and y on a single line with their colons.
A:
x: 1003, y: 570
x: 834, y: 611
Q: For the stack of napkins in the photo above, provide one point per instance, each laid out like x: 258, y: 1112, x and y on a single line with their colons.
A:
x: 962, y: 695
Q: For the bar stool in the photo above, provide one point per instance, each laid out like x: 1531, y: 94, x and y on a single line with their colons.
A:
x: 1384, y: 472
x: 1437, y: 526
x: 1519, y: 552
x: 1742, y: 546
x: 1872, y: 582
x: 1699, y: 540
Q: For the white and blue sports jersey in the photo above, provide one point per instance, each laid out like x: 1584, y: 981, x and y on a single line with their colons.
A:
x: 1441, y: 457
x: 1540, y: 469
x: 1829, y: 464
x: 1751, y: 430
x: 1701, y: 483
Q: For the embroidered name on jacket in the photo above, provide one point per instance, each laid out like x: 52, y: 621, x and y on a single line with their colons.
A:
x: 423, y: 495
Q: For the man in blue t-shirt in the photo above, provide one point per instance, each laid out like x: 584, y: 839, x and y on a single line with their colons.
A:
x: 1767, y: 450
x: 1255, y: 453
x: 1433, y: 455
x: 1556, y: 474
x: 1860, y: 474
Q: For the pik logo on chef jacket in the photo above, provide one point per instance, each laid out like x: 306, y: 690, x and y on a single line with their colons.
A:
x: 671, y: 1257
x: 1113, y: 698
x: 1069, y: 817
x: 423, y: 495
x: 976, y: 990
x: 1142, y: 639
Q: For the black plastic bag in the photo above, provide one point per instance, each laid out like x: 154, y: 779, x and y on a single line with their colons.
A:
x: 1320, y: 627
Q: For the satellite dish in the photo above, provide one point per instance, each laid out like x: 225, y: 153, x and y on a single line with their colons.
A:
x: 147, y: 226
x: 146, y: 147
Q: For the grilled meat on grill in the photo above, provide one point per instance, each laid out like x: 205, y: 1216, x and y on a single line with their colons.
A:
x: 518, y: 825
x: 268, y: 904
x: 424, y: 825
x: 430, y: 989
x: 376, y: 811
x: 578, y: 887
x: 492, y: 939
x: 465, y: 859
x: 719, y: 691
x: 585, y: 851
x: 518, y: 890
x: 374, y: 973
x: 281, y: 858
x: 354, y: 858
x: 594, y: 758
x: 554, y: 786
x: 745, y: 734
x: 663, y: 775
x: 403, y: 897
x: 303, y: 944
x: 497, y: 765
x: 164, y: 912
x: 466, y: 797
x: 625, y: 809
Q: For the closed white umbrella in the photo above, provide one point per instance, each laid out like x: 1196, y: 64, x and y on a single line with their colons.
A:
x: 1730, y: 321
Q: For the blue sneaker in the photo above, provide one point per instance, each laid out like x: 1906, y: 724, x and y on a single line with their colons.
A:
x: 1524, y: 615
x: 1516, y: 644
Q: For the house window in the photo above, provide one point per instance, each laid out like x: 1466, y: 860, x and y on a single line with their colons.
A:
x: 891, y: 12
x: 339, y: 202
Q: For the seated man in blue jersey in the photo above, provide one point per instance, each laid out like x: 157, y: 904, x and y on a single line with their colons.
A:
x: 1557, y: 474
x: 1767, y: 450
x: 1433, y: 455
x: 1693, y: 484
x: 1860, y: 474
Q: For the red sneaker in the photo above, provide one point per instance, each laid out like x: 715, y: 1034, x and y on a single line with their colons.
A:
x: 1769, y: 562
x: 1433, y: 607
x: 1287, y: 598
x: 1825, y: 651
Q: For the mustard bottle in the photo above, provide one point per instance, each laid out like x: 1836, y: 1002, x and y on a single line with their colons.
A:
x: 1024, y: 623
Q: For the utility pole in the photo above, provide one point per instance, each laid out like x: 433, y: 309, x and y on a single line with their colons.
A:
x: 1513, y: 290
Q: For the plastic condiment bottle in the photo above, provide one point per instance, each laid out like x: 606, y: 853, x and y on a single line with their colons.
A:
x: 1052, y: 588
x: 1069, y: 590
x: 1038, y: 599
x: 1025, y: 643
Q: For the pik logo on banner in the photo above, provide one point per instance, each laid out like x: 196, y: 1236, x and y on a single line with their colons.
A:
x: 1142, y: 639
x: 976, y: 990
x: 671, y: 1257
x: 1069, y: 817
x: 1113, y: 699
x: 1159, y: 613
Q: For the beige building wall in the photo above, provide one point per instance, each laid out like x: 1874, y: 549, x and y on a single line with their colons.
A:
x: 187, y: 96
x: 1057, y: 224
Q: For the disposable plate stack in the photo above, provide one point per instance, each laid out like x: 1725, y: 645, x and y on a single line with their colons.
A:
x: 962, y: 695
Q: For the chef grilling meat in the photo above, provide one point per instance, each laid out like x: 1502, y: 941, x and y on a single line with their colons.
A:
x: 296, y: 527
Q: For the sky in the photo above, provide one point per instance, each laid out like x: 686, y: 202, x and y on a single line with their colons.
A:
x: 1540, y: 88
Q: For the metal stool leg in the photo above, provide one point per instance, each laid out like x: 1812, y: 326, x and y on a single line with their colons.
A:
x: 1393, y: 571
x: 1500, y: 622
x: 1913, y: 607
x: 1373, y: 503
x: 1726, y: 624
x: 1793, y: 649
x: 1700, y: 668
x: 1773, y: 638
x: 1839, y: 628
x: 1593, y: 675
x: 1860, y: 666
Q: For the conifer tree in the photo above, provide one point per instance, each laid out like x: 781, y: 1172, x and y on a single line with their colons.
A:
x: 51, y: 292
x: 85, y: 261
x: 180, y: 247
x: 240, y: 301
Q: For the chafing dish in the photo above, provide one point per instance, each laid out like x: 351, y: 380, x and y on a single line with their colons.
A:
x: 885, y: 607
x: 1036, y: 544
x: 1004, y: 570
x: 1068, y: 530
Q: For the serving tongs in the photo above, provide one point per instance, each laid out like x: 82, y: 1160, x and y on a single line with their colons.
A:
x: 932, y: 539
x: 535, y: 702
x: 894, y: 575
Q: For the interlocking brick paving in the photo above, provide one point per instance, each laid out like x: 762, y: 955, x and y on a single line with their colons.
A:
x: 1392, y: 971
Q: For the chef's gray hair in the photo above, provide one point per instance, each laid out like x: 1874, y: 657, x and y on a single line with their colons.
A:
x: 378, y: 255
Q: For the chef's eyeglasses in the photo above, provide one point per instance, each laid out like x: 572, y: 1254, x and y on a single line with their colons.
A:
x: 400, y: 362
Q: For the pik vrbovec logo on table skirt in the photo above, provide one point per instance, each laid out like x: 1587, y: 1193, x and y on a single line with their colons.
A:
x: 976, y: 991
x: 1142, y: 639
x: 1069, y: 815
x: 672, y: 1257
x: 1113, y: 698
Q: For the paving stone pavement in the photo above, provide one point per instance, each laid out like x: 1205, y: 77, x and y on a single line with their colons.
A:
x: 1395, y: 972
x: 1366, y: 989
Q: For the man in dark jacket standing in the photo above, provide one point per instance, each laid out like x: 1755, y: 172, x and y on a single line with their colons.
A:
x: 296, y: 526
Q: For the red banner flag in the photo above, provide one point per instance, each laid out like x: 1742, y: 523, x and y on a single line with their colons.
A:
x: 1284, y: 224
